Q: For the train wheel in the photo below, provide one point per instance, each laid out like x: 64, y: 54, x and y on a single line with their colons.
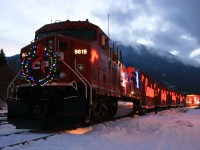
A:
x: 113, y: 107
x: 103, y: 110
x: 99, y: 111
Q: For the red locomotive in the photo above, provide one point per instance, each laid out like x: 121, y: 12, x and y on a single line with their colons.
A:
x: 70, y: 70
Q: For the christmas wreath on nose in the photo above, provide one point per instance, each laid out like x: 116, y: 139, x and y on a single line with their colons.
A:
x: 39, y: 59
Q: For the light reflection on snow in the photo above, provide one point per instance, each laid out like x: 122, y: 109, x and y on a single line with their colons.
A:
x: 80, y: 130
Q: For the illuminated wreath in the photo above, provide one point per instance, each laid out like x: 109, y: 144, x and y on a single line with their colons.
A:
x: 38, y: 53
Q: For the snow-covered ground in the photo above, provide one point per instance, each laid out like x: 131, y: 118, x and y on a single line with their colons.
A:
x: 176, y: 129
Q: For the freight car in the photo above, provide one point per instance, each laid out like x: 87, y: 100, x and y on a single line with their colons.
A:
x: 193, y: 100
x: 154, y: 94
x: 69, y: 73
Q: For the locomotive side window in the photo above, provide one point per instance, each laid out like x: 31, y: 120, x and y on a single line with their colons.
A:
x: 62, y: 45
x: 103, y: 40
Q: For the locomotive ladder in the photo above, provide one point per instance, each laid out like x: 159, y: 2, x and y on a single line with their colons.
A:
x: 83, y: 79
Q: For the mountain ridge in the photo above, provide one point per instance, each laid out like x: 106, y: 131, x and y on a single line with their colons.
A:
x: 166, y: 69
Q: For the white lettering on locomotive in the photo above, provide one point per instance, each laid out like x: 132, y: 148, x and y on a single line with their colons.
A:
x: 80, y: 51
x: 37, y: 65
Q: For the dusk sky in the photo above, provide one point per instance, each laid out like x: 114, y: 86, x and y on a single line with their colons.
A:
x: 170, y: 25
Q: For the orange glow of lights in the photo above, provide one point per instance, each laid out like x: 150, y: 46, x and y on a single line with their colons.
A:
x: 173, y: 96
x: 163, y: 96
x: 149, y: 92
x: 94, y: 55
x: 131, y: 70
x: 142, y: 78
x: 79, y: 130
x: 181, y: 98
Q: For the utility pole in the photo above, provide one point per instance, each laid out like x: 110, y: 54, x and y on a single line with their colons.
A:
x: 108, y: 26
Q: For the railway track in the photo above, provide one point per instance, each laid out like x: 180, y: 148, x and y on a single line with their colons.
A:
x: 29, y: 136
x: 3, y: 117
x: 10, y: 134
x: 29, y: 139
x: 22, y: 137
x: 3, y: 123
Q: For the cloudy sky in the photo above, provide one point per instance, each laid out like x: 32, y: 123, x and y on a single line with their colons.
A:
x: 170, y: 25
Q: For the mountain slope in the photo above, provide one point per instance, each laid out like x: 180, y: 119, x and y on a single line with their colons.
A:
x: 14, y: 62
x: 163, y: 67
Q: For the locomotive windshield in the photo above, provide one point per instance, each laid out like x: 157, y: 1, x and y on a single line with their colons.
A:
x: 88, y: 34
x: 40, y: 35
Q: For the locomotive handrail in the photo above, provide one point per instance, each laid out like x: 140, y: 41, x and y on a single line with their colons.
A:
x: 73, y: 82
x: 85, y: 80
x: 11, y: 86
x: 77, y: 76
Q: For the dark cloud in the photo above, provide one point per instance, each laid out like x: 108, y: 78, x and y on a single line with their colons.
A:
x: 123, y: 12
x: 171, y: 25
x: 185, y: 14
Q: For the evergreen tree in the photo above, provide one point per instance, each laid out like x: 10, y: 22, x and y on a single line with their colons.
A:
x: 3, y: 60
x: 6, y: 75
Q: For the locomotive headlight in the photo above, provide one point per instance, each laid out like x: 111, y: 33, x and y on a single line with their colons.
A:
x: 23, y: 55
x: 62, y: 75
x: 50, y: 44
x: 50, y: 41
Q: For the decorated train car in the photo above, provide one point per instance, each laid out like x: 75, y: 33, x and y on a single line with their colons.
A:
x: 153, y: 94
x: 71, y: 73
x: 193, y: 100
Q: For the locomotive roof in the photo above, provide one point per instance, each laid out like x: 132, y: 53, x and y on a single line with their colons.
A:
x: 61, y: 25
